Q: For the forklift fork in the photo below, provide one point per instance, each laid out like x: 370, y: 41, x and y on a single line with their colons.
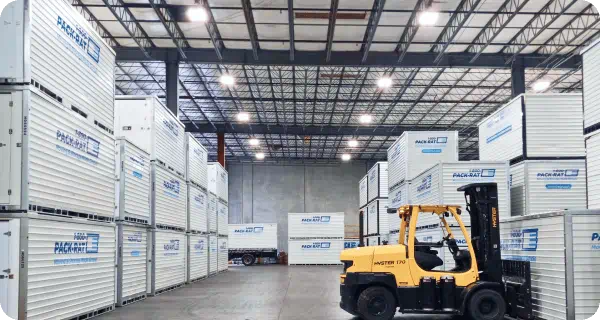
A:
x: 517, y: 281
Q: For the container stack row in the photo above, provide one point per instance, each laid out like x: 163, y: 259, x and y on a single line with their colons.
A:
x: 315, y: 238
x: 218, y: 216
x: 57, y: 164
x: 591, y: 121
x: 376, y: 226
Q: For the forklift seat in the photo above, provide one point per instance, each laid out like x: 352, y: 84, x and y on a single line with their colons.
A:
x: 428, y: 261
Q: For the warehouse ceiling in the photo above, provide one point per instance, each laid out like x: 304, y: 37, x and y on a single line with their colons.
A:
x: 305, y: 71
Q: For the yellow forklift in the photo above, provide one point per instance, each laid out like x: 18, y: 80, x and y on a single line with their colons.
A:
x: 410, y: 277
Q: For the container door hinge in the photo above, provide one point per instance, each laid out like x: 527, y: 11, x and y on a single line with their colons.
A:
x: 9, y: 131
x: 6, y: 270
x: 9, y: 192
x: 10, y: 104
x: 2, y: 145
x: 8, y: 234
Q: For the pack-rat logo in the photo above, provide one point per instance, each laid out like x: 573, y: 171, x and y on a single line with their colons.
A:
x: 199, y: 246
x: 82, y: 243
x: 316, y: 220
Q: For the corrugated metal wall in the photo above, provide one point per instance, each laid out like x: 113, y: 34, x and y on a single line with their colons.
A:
x: 267, y: 193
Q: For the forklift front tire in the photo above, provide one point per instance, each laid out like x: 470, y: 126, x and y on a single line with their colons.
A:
x: 486, y: 304
x: 248, y: 260
x: 376, y: 303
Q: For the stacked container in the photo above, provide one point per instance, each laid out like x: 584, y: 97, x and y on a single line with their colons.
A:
x: 376, y: 210
x: 315, y: 238
x: 547, y: 157
x: 563, y: 249
x: 197, y: 208
x: 57, y: 157
x: 146, y: 123
x: 218, y: 213
x: 591, y: 121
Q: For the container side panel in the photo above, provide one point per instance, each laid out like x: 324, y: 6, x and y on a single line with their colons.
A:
x: 223, y: 255
x: 547, y: 137
x: 198, y: 260
x: 82, y: 253
x: 13, y: 35
x: 373, y: 227
x: 169, y: 139
x: 591, y: 83
x: 136, y: 174
x: 213, y: 254
x: 556, y: 185
x: 134, y: 259
x: 426, y: 189
x: 10, y: 154
x: 586, y: 263
x: 71, y: 162
x: 196, y: 162
x: 198, y: 208
x: 362, y: 191
x: 253, y: 236
x: 316, y: 225
x: 593, y: 171
x: 396, y: 156
x: 541, y: 242
x: 425, y: 149
x: 169, y: 263
x: 516, y: 181
x: 170, y: 198
x: 212, y: 212
x: 399, y: 196
x: 501, y: 136
x: 315, y: 251
x: 69, y: 58
x: 133, y: 120
x: 223, y: 218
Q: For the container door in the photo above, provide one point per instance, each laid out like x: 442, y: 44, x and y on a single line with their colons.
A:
x: 4, y: 265
x: 11, y: 34
x: 5, y: 146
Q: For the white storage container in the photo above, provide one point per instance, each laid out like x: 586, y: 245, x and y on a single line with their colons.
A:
x: 374, y: 241
x: 365, y: 220
x: 316, y: 225
x: 169, y: 199
x: 591, y: 85
x: 213, y: 253
x: 564, y: 251
x: 61, y: 267
x: 378, y: 180
x: 253, y: 236
x: 527, y: 127
x: 399, y: 196
x: 50, y: 43
x: 363, y: 190
x: 414, y: 152
x: 212, y: 212
x: 133, y: 183
x: 169, y: 258
x: 378, y: 218
x: 223, y: 218
x: 131, y: 263
x: 439, y: 185
x: 197, y: 209
x: 198, y: 257
x: 218, y: 181
x: 196, y: 161
x: 53, y: 159
x: 223, y: 255
x: 148, y: 124
x: 394, y: 238
x: 542, y: 186
x: 315, y: 251
x: 592, y: 144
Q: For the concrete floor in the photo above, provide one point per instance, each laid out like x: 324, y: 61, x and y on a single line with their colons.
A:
x: 254, y: 293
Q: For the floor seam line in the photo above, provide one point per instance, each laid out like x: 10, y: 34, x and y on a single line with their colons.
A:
x: 284, y: 297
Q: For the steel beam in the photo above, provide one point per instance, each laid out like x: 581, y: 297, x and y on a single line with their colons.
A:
x: 213, y: 31
x: 331, y: 29
x: 170, y: 25
x: 247, y: 7
x: 291, y: 27
x: 517, y: 77
x: 338, y: 58
x: 454, y: 25
x: 372, y: 27
x: 172, y: 84
x: 133, y: 28
x: 411, y: 29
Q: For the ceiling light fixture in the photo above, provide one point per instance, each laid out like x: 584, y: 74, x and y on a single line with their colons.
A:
x: 254, y: 142
x: 384, y: 83
x: 243, y: 117
x: 352, y: 143
x: 197, y: 14
x: 346, y: 157
x: 366, y: 118
x: 541, y: 85
x: 227, y: 80
x: 428, y: 18
x: 260, y: 156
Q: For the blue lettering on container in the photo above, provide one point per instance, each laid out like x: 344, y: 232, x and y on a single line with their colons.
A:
x: 81, y: 142
x: 80, y: 37
x: 498, y: 134
x: 171, y: 248
x: 82, y: 243
x: 316, y: 220
x: 135, y: 253
x: 171, y: 188
x: 137, y: 175
x: 317, y: 246
x: 172, y: 127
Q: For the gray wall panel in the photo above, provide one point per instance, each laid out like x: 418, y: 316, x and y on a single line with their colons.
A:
x: 267, y: 193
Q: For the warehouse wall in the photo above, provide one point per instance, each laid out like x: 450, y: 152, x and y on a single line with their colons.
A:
x: 267, y: 193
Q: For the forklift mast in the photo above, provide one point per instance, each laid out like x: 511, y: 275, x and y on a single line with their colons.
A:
x: 482, y: 205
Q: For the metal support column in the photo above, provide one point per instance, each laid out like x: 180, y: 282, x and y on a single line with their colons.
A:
x: 221, y: 148
x: 517, y: 72
x: 172, y: 85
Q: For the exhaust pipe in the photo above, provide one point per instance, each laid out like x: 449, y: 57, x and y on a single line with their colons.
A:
x: 361, y: 233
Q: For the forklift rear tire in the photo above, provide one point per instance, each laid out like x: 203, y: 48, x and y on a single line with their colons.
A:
x: 486, y: 304
x: 248, y: 260
x: 376, y: 303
